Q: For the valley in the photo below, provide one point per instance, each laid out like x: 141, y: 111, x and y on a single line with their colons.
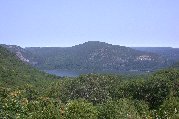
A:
x: 26, y: 92
x: 89, y: 59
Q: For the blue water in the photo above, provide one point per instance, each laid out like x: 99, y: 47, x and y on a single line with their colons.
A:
x: 63, y: 73
x: 76, y: 73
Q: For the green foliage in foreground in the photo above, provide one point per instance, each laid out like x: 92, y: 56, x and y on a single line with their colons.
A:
x: 96, y: 97
x: 80, y: 109
x: 120, y: 109
x: 26, y: 93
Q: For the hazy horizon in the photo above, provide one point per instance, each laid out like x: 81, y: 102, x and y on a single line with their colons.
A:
x: 141, y: 23
x: 93, y: 41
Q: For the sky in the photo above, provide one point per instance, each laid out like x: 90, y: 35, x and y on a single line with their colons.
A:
x: 65, y: 23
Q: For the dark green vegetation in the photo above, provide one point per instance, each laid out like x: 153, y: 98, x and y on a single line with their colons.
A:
x: 23, y: 54
x: 14, y: 72
x: 96, y: 57
x: 27, y: 93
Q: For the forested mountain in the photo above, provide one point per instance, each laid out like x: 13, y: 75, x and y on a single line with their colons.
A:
x: 96, y: 56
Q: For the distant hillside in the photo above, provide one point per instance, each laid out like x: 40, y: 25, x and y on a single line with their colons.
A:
x: 168, y: 53
x: 21, y: 53
x: 13, y: 72
x: 96, y: 56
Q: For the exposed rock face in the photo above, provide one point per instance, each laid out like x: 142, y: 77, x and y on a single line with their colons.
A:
x: 144, y: 58
x: 21, y: 57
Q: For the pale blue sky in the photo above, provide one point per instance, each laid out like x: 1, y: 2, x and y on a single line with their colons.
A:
x: 70, y: 22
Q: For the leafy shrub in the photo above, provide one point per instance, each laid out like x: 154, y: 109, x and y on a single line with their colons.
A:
x: 15, y: 104
x: 45, y: 108
x: 142, y: 108
x: 121, y: 109
x: 170, y: 108
x: 80, y: 109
